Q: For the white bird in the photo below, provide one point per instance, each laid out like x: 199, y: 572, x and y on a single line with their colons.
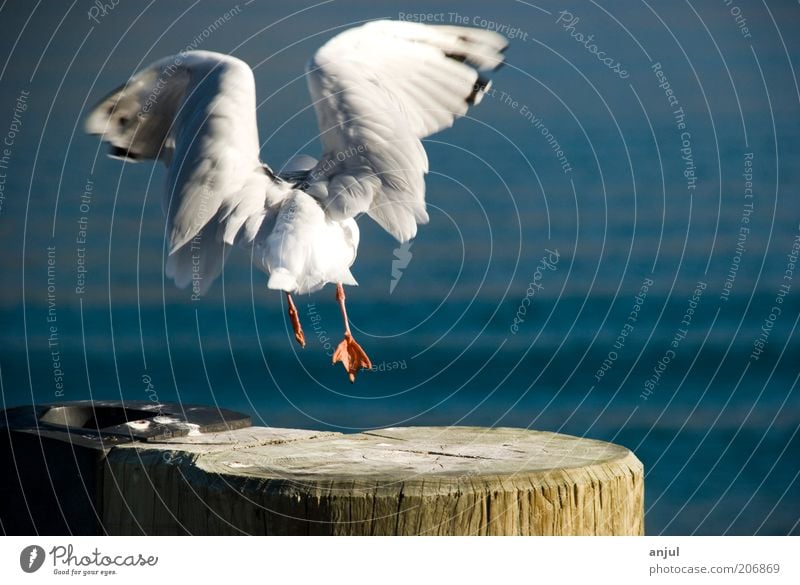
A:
x: 378, y: 89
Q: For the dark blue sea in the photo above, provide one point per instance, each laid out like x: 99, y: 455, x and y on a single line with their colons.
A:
x: 612, y: 250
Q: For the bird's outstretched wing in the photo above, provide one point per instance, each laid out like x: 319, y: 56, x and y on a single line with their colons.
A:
x: 378, y: 89
x: 195, y: 111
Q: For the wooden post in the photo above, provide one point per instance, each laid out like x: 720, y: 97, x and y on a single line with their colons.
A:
x: 413, y: 480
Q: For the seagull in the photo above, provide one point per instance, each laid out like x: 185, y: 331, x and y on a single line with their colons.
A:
x: 377, y: 90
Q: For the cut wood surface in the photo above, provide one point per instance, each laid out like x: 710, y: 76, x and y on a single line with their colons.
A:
x: 411, y: 480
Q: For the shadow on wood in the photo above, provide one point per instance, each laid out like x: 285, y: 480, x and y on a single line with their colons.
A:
x: 53, y: 456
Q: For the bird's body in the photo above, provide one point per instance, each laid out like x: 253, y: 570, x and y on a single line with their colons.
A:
x: 377, y: 90
x: 306, y: 249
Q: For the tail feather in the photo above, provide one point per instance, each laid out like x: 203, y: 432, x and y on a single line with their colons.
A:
x: 282, y: 279
x: 198, y: 262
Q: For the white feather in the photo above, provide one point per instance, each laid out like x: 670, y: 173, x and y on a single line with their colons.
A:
x: 306, y: 249
x: 377, y: 89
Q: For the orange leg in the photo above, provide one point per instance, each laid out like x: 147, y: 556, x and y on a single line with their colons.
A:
x: 298, y: 329
x: 351, y: 355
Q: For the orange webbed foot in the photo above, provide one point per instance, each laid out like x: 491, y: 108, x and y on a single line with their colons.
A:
x: 351, y: 355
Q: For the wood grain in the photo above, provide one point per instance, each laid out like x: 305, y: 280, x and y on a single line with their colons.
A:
x: 412, y: 480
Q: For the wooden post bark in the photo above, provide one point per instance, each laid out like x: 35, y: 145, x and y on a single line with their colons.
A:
x: 412, y: 480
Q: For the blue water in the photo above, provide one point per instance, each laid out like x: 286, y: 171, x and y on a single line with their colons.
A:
x: 712, y: 414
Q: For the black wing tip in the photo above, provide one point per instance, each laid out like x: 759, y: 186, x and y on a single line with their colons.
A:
x: 456, y: 57
x: 123, y: 154
x: 478, y: 89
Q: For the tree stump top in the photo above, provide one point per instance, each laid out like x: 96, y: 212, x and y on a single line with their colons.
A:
x: 401, y: 454
x: 410, y: 480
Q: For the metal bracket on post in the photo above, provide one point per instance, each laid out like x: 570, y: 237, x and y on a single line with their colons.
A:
x: 52, y: 456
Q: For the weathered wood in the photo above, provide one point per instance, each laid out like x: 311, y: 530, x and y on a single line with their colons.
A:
x: 414, y: 480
